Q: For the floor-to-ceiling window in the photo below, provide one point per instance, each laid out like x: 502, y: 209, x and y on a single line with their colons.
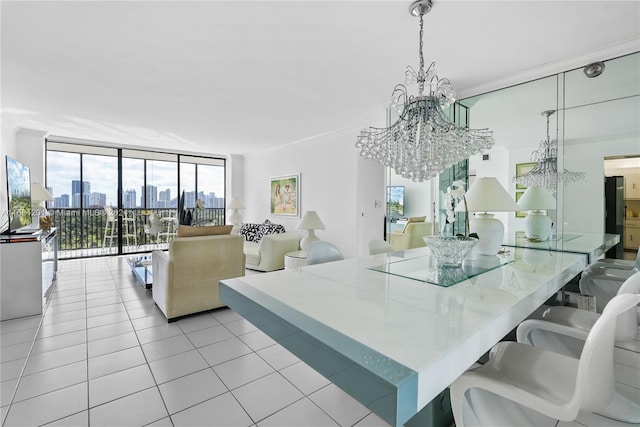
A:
x: 114, y: 201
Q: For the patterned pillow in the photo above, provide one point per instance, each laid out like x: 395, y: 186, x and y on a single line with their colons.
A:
x: 269, y: 228
x: 250, y: 231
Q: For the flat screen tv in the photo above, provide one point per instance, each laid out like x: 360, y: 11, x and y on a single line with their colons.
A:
x: 395, y: 201
x: 19, y: 195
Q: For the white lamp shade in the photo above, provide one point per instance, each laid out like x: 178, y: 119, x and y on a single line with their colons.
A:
x: 535, y: 198
x: 236, y: 203
x: 39, y: 193
x: 310, y: 221
x: 487, y: 195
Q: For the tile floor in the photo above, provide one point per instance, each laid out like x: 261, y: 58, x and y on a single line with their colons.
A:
x: 102, y: 354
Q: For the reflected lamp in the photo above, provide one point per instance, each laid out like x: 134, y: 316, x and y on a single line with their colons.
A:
x: 310, y: 221
x: 235, y: 205
x: 40, y: 195
x: 487, y: 195
x: 536, y: 200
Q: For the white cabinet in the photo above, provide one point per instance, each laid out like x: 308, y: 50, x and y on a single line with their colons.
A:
x: 632, y: 234
x: 632, y: 186
x: 27, y: 270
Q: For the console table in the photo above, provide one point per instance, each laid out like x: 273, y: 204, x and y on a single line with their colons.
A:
x: 395, y: 343
x: 28, y: 269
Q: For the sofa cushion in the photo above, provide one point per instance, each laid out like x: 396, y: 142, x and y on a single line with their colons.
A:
x: 269, y: 228
x: 251, y: 253
x: 209, y: 230
x: 249, y: 231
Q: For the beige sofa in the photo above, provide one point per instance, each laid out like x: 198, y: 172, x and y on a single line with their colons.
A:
x: 268, y: 254
x: 411, y: 236
x: 185, y: 279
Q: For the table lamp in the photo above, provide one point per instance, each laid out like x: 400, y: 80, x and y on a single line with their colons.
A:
x: 484, y: 195
x: 310, y: 221
x: 40, y: 195
x: 537, y: 225
x: 235, y: 204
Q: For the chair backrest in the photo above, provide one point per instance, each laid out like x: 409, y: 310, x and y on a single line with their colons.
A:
x: 595, y: 383
x: 111, y: 216
x: 627, y: 326
x: 321, y: 251
x: 379, y: 246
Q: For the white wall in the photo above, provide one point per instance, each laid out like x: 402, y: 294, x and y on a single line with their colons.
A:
x: 329, y: 168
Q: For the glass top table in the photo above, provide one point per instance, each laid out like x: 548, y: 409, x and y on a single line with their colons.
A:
x: 141, y: 268
x: 424, y: 268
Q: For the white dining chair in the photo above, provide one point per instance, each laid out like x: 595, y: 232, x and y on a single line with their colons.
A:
x: 604, y: 277
x: 322, y: 251
x: 564, y: 330
x: 522, y: 385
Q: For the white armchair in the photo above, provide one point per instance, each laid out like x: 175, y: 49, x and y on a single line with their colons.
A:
x: 412, y: 234
x: 185, y: 279
x: 268, y: 254
x: 524, y: 385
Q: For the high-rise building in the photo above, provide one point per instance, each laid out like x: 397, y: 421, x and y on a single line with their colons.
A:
x: 76, y: 190
x: 129, y: 199
x: 164, y: 198
x: 95, y: 200
x: 61, y: 202
x: 151, y: 193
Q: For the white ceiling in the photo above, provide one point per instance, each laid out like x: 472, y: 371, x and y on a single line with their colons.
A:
x: 231, y: 77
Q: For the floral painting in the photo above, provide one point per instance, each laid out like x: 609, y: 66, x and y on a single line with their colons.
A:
x: 285, y: 195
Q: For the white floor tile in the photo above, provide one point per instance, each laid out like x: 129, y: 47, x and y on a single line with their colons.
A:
x: 80, y: 419
x: 168, y: 347
x: 57, y: 342
x: 119, y: 384
x: 257, y: 340
x: 157, y: 333
x: 56, y: 358
x: 196, y: 322
x: 112, y: 344
x: 137, y: 409
x: 66, y: 316
x: 114, y: 362
x: 54, y: 329
x: 301, y: 413
x: 17, y: 337
x: 242, y: 370
x: 266, y: 396
x: 228, y: 413
x: 190, y: 390
x: 240, y: 327
x: 107, y: 331
x: 7, y: 387
x: 339, y: 405
x: 224, y: 351
x: 225, y: 315
x: 12, y: 369
x: 50, y: 380
x: 107, y: 319
x: 372, y: 420
x: 105, y: 309
x: 165, y: 422
x: 149, y: 321
x: 13, y: 352
x: 50, y: 407
x: 63, y: 308
x: 138, y: 313
x: 13, y: 325
x: 170, y: 368
x: 278, y: 357
x: 305, y: 378
x: 208, y: 336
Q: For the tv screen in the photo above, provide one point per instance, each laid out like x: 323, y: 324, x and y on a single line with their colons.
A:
x: 19, y: 195
x: 395, y: 201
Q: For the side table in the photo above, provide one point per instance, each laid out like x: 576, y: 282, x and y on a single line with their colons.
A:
x: 295, y: 259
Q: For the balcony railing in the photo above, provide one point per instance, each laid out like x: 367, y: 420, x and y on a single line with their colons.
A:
x: 82, y: 232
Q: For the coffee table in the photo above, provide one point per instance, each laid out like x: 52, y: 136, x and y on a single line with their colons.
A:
x: 141, y: 268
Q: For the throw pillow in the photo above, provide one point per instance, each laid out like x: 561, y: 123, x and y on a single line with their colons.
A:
x: 249, y: 231
x: 269, y: 228
x: 210, y: 230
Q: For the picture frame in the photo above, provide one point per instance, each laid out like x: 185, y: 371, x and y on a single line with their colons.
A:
x: 521, y: 169
x: 520, y: 214
x: 284, y: 195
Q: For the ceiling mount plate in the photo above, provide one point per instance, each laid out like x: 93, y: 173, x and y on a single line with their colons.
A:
x: 420, y: 7
x: 594, y: 69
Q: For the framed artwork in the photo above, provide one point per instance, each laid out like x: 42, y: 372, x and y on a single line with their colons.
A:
x: 520, y: 214
x: 285, y: 195
x: 521, y: 169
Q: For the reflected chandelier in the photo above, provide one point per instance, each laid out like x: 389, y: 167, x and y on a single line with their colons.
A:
x: 545, y: 172
x: 423, y: 141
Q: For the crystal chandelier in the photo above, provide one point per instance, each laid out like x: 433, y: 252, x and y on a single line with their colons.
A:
x: 423, y: 141
x: 545, y: 172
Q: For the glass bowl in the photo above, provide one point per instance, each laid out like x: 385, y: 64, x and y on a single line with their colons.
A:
x: 449, y: 251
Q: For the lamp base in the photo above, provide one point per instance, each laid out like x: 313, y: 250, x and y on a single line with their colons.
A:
x: 308, y: 239
x: 537, y: 225
x: 235, y: 218
x: 490, y: 233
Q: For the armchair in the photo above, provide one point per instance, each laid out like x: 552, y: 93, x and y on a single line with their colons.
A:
x: 268, y: 253
x: 525, y: 385
x: 412, y: 234
x: 185, y: 279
